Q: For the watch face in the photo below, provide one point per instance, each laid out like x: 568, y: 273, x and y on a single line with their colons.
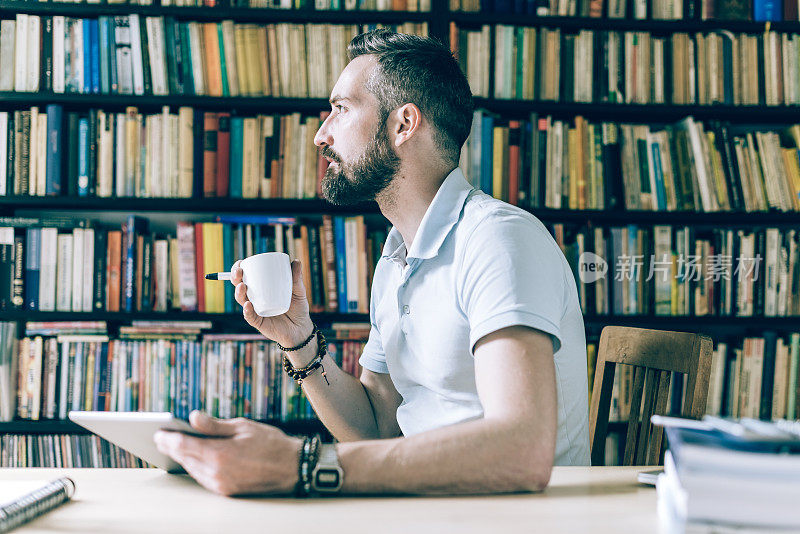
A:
x: 327, y: 479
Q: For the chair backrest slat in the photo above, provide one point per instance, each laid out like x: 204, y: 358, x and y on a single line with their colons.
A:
x: 650, y: 382
x: 661, y: 408
x: 633, y: 415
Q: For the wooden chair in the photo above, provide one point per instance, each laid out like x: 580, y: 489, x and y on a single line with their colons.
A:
x: 654, y: 354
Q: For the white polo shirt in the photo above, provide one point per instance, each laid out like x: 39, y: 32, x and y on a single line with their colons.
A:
x: 476, y: 265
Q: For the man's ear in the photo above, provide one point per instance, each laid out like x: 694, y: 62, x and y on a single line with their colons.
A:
x: 405, y: 122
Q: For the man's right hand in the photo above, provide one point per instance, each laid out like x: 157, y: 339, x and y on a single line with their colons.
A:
x: 289, y: 329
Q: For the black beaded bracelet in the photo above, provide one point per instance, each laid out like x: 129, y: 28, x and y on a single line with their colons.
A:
x: 301, y: 345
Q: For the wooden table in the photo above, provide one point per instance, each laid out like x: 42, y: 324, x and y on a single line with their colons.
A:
x: 578, y: 500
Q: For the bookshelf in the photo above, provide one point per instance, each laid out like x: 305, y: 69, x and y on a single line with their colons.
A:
x: 438, y: 20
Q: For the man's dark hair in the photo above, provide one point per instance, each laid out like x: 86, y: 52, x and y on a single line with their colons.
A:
x: 419, y: 70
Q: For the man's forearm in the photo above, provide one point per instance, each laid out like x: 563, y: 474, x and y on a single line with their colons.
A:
x: 338, y: 398
x: 481, y: 456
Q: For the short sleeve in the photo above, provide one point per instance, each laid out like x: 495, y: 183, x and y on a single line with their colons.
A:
x: 512, y: 274
x: 373, y: 357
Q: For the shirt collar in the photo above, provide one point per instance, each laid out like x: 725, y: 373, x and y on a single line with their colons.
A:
x: 440, y: 217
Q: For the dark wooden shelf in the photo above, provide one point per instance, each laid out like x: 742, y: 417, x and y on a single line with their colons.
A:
x: 277, y: 206
x: 642, y: 113
x: 239, y: 14
x: 235, y: 319
x: 638, y: 113
x: 228, y: 319
x: 588, y: 23
x: 690, y: 323
x: 47, y: 426
x: 248, y: 104
x: 732, y: 218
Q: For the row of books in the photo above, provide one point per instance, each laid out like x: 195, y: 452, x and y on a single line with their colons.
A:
x: 758, y: 10
x: 319, y: 5
x: 63, y: 450
x: 74, y: 265
x: 592, y: 66
x: 161, y: 369
x: 191, y: 153
x: 129, y: 54
x: 757, y: 378
x: 542, y: 162
x: 536, y: 161
x: 673, y: 271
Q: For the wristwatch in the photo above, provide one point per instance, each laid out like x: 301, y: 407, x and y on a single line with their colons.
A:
x: 327, y: 476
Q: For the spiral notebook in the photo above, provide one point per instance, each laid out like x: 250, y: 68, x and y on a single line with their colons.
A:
x: 23, y: 500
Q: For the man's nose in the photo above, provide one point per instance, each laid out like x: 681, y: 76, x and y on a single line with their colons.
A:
x: 323, y: 136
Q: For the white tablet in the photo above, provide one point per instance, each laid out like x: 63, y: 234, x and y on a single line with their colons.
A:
x: 133, y: 431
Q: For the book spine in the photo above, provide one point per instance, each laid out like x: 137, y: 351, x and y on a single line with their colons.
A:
x: 147, y: 279
x: 46, y: 62
x: 227, y: 263
x: 210, y: 129
x: 86, y: 55
x: 76, y: 279
x: 32, y: 268
x: 129, y: 256
x: 341, y: 262
x: 18, y: 283
x: 198, y: 269
x: 223, y: 155
x: 104, y: 50
x: 54, y: 149
x: 236, y: 155
x: 7, y: 250
x: 351, y: 263
x: 173, y: 45
x: 137, y: 65
x: 33, y: 53
x: 124, y: 59
x: 767, y: 375
x: 329, y: 264
x: 94, y: 37
x: 87, y: 274
x: 7, y: 54
x: 99, y: 271
x: 48, y: 269
x: 83, y: 157
x: 316, y: 291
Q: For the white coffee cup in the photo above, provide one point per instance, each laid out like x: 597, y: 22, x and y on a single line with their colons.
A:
x: 268, y: 278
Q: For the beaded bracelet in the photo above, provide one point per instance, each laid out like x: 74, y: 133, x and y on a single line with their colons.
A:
x: 298, y: 375
x: 309, y: 455
x: 301, y: 345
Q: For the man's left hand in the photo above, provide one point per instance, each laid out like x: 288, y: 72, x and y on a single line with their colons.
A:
x: 243, y: 457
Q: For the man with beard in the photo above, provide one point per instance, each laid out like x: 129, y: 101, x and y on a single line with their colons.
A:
x: 474, y: 375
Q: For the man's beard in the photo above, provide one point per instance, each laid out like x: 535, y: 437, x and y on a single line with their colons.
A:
x: 365, y: 178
